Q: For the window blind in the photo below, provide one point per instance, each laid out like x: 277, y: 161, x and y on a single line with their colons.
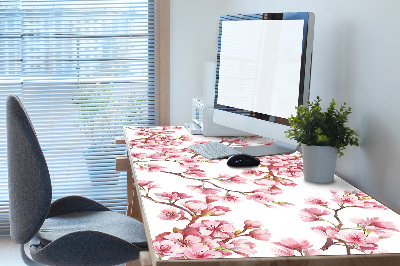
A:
x: 83, y: 69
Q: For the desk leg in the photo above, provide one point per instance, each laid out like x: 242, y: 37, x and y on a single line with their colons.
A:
x: 132, y: 198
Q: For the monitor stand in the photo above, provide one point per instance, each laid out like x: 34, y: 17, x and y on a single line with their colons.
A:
x: 275, y: 148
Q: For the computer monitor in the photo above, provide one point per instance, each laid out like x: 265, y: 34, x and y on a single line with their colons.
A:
x: 263, y: 73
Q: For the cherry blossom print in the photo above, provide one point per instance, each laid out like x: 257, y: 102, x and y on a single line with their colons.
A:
x: 327, y: 231
x: 184, y: 241
x: 171, y: 214
x: 194, y: 170
x: 290, y: 243
x: 241, y: 246
x: 227, y: 179
x: 317, y: 201
x: 202, y: 207
x: 215, y: 210
x: 217, y: 229
x: 201, y: 189
x: 312, y: 214
x: 250, y: 172
x: 346, y: 199
x: 283, y: 251
x: 231, y: 198
x: 357, y: 238
x: 364, y: 236
x: 195, y: 206
x: 172, y: 196
x: 312, y: 252
x: 375, y: 222
x: 212, y: 198
x: 249, y: 224
x: 201, y: 252
x: 151, y: 167
x: 147, y: 184
x: 260, y: 198
x: 139, y: 155
x: 288, y: 246
x: 260, y: 234
x: 265, y: 182
x: 165, y: 248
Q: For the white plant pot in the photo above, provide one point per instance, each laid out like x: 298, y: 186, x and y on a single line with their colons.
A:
x: 319, y: 163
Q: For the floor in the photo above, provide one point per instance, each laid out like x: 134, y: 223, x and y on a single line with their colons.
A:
x: 10, y: 255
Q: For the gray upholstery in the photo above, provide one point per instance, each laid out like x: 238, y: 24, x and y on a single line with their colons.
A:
x: 128, y: 229
x: 72, y: 204
x: 70, y: 231
x: 85, y: 248
x: 28, y: 176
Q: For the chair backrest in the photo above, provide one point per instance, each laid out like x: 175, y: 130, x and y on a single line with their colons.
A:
x: 29, y: 183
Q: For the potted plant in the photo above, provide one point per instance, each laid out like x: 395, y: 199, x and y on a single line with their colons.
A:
x: 323, y: 136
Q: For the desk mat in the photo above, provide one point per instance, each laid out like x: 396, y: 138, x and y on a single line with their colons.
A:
x: 197, y: 208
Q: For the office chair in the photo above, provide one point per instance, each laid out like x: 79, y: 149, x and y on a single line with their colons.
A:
x: 70, y: 231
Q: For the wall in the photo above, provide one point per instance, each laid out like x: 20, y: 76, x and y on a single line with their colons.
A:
x: 194, y: 41
x: 355, y: 60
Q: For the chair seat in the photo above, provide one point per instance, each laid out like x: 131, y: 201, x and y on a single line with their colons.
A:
x: 108, y: 222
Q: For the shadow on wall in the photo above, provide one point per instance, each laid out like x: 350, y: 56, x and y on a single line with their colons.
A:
x: 371, y: 165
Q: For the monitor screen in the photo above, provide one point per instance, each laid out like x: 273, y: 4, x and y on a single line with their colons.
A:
x: 260, y: 64
x: 263, y: 71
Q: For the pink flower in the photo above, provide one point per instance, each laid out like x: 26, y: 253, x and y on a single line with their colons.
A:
x: 312, y: 252
x: 376, y: 225
x: 356, y: 238
x: 195, y: 206
x: 260, y: 198
x: 203, y: 190
x: 138, y: 155
x: 264, y: 182
x: 187, y: 241
x: 252, y: 172
x: 371, y: 205
x: 165, y: 247
x: 212, y: 198
x: 260, y: 234
x: 190, y: 161
x: 317, y: 201
x: 217, y: 229
x: 283, y: 251
x: 172, y: 196
x: 231, y: 198
x: 185, y: 138
x: 232, y: 179
x: 151, y: 167
x: 327, y: 231
x: 346, y: 199
x: 148, y: 184
x: 242, y: 247
x: 195, y: 171
x: 312, y: 214
x: 201, y: 252
x: 290, y: 243
x: 215, y: 210
x: 248, y: 224
x: 171, y: 214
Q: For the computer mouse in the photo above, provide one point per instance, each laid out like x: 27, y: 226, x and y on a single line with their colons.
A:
x: 241, y: 160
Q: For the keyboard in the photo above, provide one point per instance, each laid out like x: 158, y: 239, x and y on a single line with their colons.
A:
x: 214, y: 150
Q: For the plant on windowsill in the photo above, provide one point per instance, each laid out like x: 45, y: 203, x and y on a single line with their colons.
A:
x: 323, y: 135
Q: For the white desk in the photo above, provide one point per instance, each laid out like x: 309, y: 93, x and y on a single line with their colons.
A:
x: 200, y: 211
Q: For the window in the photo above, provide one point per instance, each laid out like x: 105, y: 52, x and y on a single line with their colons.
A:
x: 83, y: 69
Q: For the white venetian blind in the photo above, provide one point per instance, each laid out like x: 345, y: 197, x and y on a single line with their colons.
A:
x: 83, y: 69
